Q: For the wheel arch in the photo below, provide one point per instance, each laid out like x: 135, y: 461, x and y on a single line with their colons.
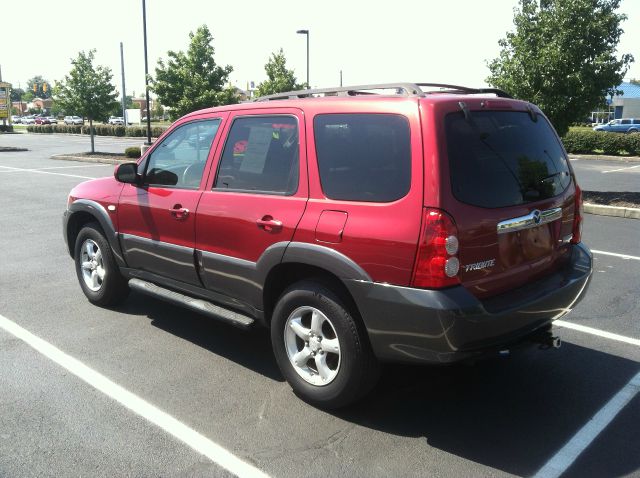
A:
x: 302, y: 261
x: 84, y: 211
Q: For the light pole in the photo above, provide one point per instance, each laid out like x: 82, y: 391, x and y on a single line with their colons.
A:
x: 146, y: 71
x: 306, y: 32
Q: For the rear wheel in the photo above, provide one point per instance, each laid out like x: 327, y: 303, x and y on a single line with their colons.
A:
x: 96, y: 268
x: 321, y: 350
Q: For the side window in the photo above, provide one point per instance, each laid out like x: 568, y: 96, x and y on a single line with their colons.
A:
x: 625, y: 121
x: 363, y: 157
x: 636, y: 121
x: 261, y: 155
x: 180, y: 159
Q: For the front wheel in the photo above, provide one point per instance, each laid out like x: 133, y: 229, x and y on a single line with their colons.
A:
x: 97, y: 271
x: 320, y: 348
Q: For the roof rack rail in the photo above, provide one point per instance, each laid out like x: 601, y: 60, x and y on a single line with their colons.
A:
x: 401, y: 89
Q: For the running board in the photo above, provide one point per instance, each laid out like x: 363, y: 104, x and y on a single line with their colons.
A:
x: 198, y: 305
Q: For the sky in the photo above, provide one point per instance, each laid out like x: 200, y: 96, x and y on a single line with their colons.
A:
x: 371, y: 42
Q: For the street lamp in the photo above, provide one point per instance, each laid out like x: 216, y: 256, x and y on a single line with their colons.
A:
x: 306, y: 32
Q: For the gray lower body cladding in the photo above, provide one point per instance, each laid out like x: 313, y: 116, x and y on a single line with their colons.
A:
x: 448, y: 325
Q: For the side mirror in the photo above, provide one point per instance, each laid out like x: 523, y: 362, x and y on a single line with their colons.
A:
x: 127, y: 173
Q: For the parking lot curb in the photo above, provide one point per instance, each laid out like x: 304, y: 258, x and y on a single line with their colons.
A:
x: 604, y: 157
x: 616, y: 211
x: 87, y: 159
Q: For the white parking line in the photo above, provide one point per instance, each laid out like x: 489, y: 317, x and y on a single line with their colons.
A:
x: 621, y: 169
x: 567, y: 455
x: 561, y: 461
x: 46, y: 172
x: 598, y: 332
x: 17, y: 170
x: 137, y: 405
x: 615, y: 254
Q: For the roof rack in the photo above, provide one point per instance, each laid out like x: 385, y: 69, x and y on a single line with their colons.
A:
x: 401, y: 89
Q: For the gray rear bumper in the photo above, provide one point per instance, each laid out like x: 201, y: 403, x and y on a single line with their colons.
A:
x: 439, y: 326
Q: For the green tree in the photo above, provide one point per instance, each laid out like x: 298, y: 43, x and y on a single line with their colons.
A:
x: 116, y: 110
x: 42, y: 87
x: 87, y: 90
x: 191, y: 81
x: 16, y: 94
x: 280, y: 79
x: 562, y: 57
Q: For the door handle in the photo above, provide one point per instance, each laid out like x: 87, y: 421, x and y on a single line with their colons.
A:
x: 179, y: 212
x: 269, y: 224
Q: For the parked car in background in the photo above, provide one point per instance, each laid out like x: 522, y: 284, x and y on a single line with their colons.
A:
x: 28, y: 119
x: 73, y: 120
x: 621, y: 125
x: 42, y: 120
x: 15, y: 119
x: 53, y: 120
x: 115, y: 120
x: 417, y: 226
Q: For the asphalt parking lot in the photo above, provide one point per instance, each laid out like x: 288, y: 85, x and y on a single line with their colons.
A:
x: 608, y: 175
x: 166, y: 392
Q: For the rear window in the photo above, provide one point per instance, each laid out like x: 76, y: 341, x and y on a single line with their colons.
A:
x: 363, y: 157
x: 504, y: 158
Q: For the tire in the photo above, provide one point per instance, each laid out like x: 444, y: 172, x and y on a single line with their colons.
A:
x: 340, y: 367
x: 96, y: 268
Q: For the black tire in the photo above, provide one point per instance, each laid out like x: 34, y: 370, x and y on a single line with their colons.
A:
x: 113, y: 288
x: 357, y: 371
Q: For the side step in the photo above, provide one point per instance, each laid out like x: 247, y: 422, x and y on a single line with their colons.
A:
x: 198, y: 305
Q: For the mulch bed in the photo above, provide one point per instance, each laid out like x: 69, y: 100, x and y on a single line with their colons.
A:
x: 620, y: 199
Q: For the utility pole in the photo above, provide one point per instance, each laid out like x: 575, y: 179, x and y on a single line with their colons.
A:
x: 124, y: 91
x: 146, y: 71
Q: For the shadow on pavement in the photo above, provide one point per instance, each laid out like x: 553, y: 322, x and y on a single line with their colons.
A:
x: 251, y: 349
x: 511, y: 414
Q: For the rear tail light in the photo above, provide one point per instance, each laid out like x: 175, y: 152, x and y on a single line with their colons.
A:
x: 577, y: 218
x: 437, y: 263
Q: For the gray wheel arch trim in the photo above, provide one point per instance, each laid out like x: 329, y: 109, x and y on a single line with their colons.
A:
x: 325, y: 258
x: 101, y: 215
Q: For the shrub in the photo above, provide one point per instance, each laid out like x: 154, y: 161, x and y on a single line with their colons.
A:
x: 6, y: 128
x: 590, y: 142
x: 98, y: 129
x: 132, y: 152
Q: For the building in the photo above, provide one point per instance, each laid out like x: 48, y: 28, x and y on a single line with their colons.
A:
x: 627, y: 105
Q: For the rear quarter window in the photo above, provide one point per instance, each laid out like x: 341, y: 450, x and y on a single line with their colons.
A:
x: 504, y: 158
x: 363, y: 157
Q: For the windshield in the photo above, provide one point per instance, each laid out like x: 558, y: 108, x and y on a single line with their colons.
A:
x: 504, y: 158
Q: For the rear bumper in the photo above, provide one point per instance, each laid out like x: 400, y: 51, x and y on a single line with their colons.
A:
x: 440, y: 326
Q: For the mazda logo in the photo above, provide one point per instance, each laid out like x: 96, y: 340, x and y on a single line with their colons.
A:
x: 536, y: 216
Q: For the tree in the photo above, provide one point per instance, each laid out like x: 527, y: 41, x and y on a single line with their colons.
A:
x: 279, y: 78
x: 16, y: 94
x: 116, y: 110
x: 42, y: 87
x: 562, y: 57
x: 191, y: 81
x: 87, y: 90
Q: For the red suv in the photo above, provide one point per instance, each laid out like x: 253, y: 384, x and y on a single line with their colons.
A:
x: 419, y: 225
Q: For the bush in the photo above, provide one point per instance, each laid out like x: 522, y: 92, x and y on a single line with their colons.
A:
x: 6, y: 128
x: 132, y: 152
x: 98, y: 129
x: 601, y: 142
